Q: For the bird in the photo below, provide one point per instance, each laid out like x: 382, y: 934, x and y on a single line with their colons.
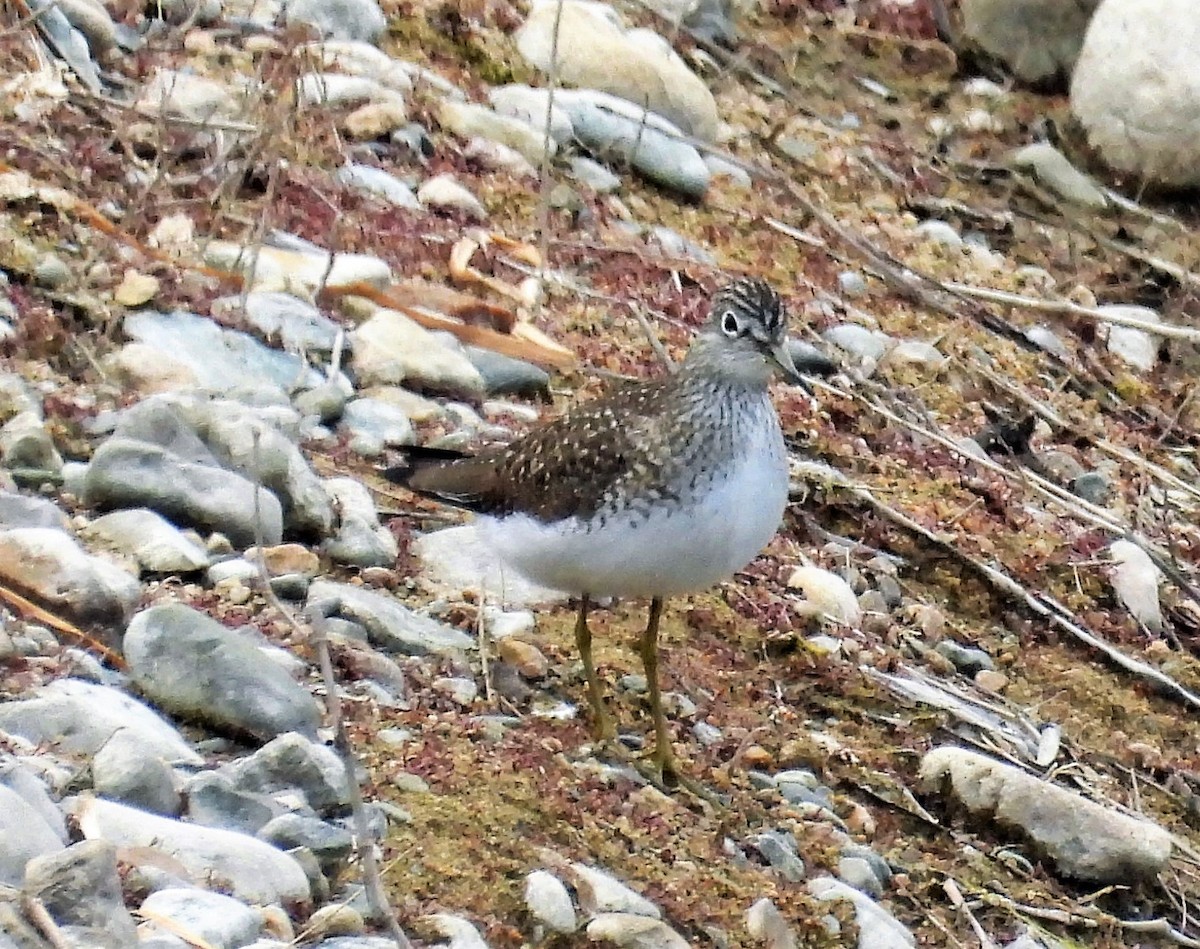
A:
x: 656, y: 489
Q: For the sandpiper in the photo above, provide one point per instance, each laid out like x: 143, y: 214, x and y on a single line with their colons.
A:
x: 658, y: 488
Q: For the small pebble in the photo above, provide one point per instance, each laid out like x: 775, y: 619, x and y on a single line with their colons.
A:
x: 991, y: 680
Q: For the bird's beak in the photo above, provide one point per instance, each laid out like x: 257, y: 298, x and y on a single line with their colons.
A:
x: 784, y: 361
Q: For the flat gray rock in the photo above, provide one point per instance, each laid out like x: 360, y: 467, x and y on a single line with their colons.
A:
x: 212, y: 800
x: 221, y: 921
x: 294, y: 323
x: 20, y: 777
x: 1083, y: 839
x: 877, y: 928
x: 50, y: 564
x: 23, y: 510
x: 339, y: 19
x: 252, y: 870
x: 127, y: 473
x: 359, y: 539
x: 1038, y: 40
x: 220, y: 359
x: 124, y: 771
x: 194, y: 667
x: 24, y: 835
x: 80, y: 887
x: 79, y: 717
x: 390, y: 625
x: 157, y: 544
x: 1136, y: 88
x: 293, y: 764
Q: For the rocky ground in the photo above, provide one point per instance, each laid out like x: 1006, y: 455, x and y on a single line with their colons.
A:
x: 951, y: 704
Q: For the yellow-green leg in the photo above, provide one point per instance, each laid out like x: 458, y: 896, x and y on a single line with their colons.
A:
x: 669, y: 775
x: 602, y: 723
x: 664, y: 754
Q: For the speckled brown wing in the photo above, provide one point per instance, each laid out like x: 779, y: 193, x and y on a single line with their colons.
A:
x: 561, y: 469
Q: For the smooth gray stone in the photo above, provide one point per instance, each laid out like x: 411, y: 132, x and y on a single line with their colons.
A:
x: 243, y: 441
x: 164, y: 422
x: 339, y: 19
x: 79, y: 886
x: 331, y: 845
x: 126, y: 473
x: 50, y: 565
x: 220, y: 359
x: 380, y: 422
x: 779, y: 850
x: 221, y: 921
x: 504, y: 375
x: 966, y: 660
x: 194, y: 667
x: 124, y: 771
x: 20, y: 778
x: 24, y: 834
x: 214, y: 802
x: 23, y: 510
x: 326, y: 401
x: 390, y: 625
x: 381, y: 184
x: 247, y: 867
x: 157, y: 544
x: 79, y: 717
x: 360, y: 540
x: 293, y: 763
x: 295, y: 323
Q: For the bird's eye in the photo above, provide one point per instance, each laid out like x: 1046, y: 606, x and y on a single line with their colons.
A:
x: 730, y: 325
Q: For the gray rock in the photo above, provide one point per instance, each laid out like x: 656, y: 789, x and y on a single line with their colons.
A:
x: 779, y: 850
x: 1134, y: 88
x: 339, y: 19
x: 252, y: 870
x: 25, y: 444
x: 1093, y: 486
x: 1054, y: 171
x: 50, y: 564
x: 123, y: 771
x: 79, y: 717
x: 631, y: 931
x: 331, y: 845
x: 158, y: 545
x: 966, y: 660
x: 80, y: 888
x: 212, y: 800
x: 293, y: 323
x: 390, y: 349
x: 359, y: 540
x: 618, y: 131
x: 857, y: 872
x: 503, y: 375
x: 24, y: 834
x: 1083, y: 839
x: 548, y: 901
x: 20, y: 778
x: 378, y: 183
x: 389, y: 624
x: 802, y: 787
x: 127, y: 473
x: 236, y: 568
x: 219, y: 920
x: 193, y: 666
x: 72, y: 47
x: 375, y: 425
x: 220, y: 359
x: 21, y: 510
x: 877, y: 928
x: 326, y: 401
x: 1037, y: 39
x: 293, y: 764
x: 594, y: 51
x: 594, y: 175
x: 163, y: 421
x: 242, y: 441
x: 859, y: 341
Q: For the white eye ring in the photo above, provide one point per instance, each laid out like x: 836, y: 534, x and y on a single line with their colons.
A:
x: 730, y: 325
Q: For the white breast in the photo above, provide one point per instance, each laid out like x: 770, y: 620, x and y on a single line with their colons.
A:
x: 676, y: 549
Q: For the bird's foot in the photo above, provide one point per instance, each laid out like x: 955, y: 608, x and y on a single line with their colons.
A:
x: 664, y: 772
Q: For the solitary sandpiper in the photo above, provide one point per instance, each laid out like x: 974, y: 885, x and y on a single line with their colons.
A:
x: 656, y: 489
